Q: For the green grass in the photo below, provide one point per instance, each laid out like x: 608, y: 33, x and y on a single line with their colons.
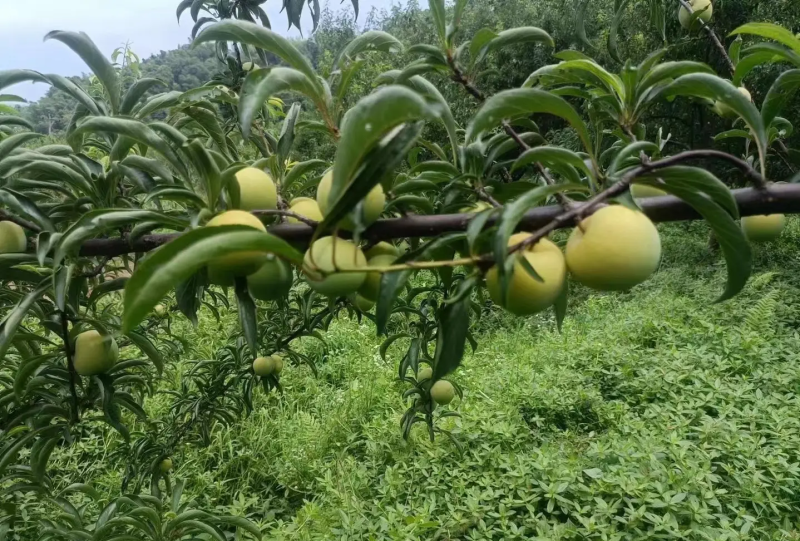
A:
x: 655, y: 414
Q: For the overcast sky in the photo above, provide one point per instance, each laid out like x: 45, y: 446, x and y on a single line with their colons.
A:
x: 150, y: 25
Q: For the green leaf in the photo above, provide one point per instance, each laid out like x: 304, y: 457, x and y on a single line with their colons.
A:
x: 703, y: 85
x: 514, y: 36
x: 247, y: 315
x: 762, y: 53
x: 148, y: 348
x: 667, y: 71
x: 365, y: 125
x: 96, y: 221
x: 389, y: 341
x: 12, y: 77
x: 205, y: 528
x: 262, y: 84
x: 732, y: 134
x: 735, y: 50
x: 432, y: 94
x: 735, y: 247
x: 178, y: 260
x: 613, y: 47
x: 242, y: 523
x: 157, y: 103
x: 23, y: 206
x: 780, y: 93
x: 698, y: 180
x: 183, y: 6
x: 135, y: 130
x: 263, y: 38
x: 377, y: 165
x: 172, y: 193
x: 479, y: 43
x: 8, y: 120
x: 12, y: 321
x: 99, y: 64
x: 300, y: 169
x: 451, y: 338
x: 633, y: 150
x: 393, y: 282
x: 136, y: 92
x: 547, y: 155
x: 580, y: 22
x: 525, y: 101
x: 155, y: 168
x: 372, y: 40
x: 12, y: 142
x: 439, y: 15
x: 286, y: 138
x: 512, y: 214
x: 770, y: 31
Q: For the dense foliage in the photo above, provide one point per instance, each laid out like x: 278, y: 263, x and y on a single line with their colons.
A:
x: 189, y: 261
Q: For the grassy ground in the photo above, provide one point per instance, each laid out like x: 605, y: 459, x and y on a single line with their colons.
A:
x: 655, y: 414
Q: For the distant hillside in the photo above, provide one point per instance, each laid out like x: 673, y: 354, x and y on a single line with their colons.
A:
x: 180, y: 69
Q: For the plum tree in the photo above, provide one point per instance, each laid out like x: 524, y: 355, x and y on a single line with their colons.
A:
x: 763, y: 228
x: 443, y: 392
x: 371, y: 207
x: 306, y: 207
x: 12, y: 238
x: 330, y: 264
x: 222, y: 270
x: 614, y: 249
x: 706, y: 9
x: 115, y: 202
x: 272, y: 281
x: 526, y: 294
x: 94, y: 353
x: 257, y: 190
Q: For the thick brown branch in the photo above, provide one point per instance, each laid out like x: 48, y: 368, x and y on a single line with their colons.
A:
x: 777, y: 198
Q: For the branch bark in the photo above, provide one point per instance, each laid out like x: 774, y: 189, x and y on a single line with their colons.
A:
x: 775, y: 199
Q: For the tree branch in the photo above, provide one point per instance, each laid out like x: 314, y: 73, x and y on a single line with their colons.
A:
x: 775, y: 199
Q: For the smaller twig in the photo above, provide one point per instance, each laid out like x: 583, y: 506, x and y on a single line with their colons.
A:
x: 483, y: 194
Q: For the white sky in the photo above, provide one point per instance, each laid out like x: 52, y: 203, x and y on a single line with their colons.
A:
x: 150, y: 26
